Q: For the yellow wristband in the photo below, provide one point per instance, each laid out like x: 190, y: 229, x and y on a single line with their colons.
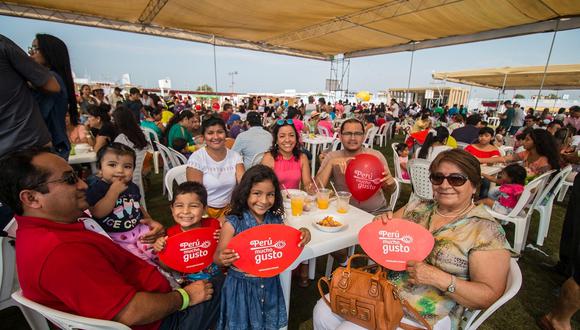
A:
x: 185, y: 297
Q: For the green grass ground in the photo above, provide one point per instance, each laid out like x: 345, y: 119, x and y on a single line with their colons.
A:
x: 535, y: 298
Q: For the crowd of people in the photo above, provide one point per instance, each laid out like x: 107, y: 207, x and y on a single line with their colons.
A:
x: 99, y: 239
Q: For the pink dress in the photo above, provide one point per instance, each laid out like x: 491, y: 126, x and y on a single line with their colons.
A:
x: 288, y: 171
x: 404, y: 173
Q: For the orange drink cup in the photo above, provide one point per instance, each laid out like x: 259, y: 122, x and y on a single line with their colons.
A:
x: 323, y: 198
x: 297, y: 204
x: 343, y: 201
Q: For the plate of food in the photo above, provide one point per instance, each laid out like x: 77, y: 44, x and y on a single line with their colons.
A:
x: 329, y: 224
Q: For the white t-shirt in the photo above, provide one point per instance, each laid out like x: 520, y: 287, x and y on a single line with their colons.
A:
x: 433, y: 152
x: 219, y: 178
x: 519, y: 116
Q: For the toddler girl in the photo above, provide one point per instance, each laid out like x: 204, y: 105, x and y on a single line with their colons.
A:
x: 187, y: 208
x: 114, y: 202
x: 512, y: 179
x: 249, y: 302
x: 403, y: 152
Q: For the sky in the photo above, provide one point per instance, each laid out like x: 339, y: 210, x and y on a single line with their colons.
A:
x: 102, y: 54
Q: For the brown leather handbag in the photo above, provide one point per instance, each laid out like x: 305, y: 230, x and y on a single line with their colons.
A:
x: 366, y: 298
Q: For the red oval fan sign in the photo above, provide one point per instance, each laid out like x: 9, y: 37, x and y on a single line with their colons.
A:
x: 190, y: 251
x: 266, y: 250
x: 363, y: 176
x: 395, y: 243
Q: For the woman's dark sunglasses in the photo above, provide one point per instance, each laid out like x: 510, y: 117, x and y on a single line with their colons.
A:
x: 454, y: 179
x: 281, y: 122
x: 70, y: 178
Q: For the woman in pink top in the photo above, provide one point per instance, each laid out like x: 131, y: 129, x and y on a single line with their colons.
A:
x: 540, y: 154
x: 325, y: 123
x: 291, y: 167
x: 285, y: 158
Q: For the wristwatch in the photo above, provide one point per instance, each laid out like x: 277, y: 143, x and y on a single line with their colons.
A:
x: 451, y: 287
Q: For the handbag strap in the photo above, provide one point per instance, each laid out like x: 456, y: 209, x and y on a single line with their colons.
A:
x: 322, y: 294
x: 416, y: 316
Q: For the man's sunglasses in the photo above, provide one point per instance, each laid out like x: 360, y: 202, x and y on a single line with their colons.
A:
x: 70, y: 178
x: 281, y: 122
x: 454, y: 179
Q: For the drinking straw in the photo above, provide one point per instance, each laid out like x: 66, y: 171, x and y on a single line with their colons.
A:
x: 334, y: 188
x: 315, y: 185
x: 286, y: 190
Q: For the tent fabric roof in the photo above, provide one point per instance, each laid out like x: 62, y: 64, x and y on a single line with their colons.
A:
x: 311, y: 28
x: 558, y: 77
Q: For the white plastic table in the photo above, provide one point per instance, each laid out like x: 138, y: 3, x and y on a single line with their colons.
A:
x: 313, y: 143
x: 85, y: 158
x: 323, y: 243
x: 491, y: 170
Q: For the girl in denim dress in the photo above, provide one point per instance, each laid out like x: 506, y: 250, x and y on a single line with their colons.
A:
x: 248, y: 302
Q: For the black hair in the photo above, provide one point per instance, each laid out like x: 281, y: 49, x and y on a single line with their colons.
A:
x: 555, y: 122
x: 134, y: 90
x: 292, y: 112
x: 127, y: 124
x: 351, y: 121
x: 179, y: 144
x: 190, y: 187
x: 177, y: 118
x: 274, y: 150
x: 574, y: 108
x: 400, y: 147
x: 516, y: 173
x: 18, y: 173
x: 256, y: 174
x: 83, y: 86
x: 442, y: 135
x: 152, y: 111
x: 560, y: 137
x: 212, y: 121
x: 486, y: 130
x: 524, y: 133
x: 99, y: 111
x: 228, y: 106
x: 500, y: 129
x: 546, y: 146
x: 56, y: 55
x: 115, y: 148
x: 473, y: 120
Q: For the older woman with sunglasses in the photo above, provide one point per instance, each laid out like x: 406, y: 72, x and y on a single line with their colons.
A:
x: 469, y: 263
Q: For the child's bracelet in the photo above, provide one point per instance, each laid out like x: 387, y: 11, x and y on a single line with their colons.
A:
x: 185, y: 297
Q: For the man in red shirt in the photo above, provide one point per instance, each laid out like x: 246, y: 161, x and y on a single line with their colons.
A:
x: 228, y: 110
x: 63, y: 264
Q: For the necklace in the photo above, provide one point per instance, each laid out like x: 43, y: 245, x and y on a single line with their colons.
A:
x: 454, y: 215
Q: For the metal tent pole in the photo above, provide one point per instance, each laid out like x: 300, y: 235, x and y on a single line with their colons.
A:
x: 500, y: 92
x: 215, y: 66
x: 410, y: 71
x: 546, y: 66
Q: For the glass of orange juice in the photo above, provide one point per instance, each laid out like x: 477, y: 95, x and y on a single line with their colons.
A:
x: 297, y: 204
x: 323, y: 198
x: 343, y: 201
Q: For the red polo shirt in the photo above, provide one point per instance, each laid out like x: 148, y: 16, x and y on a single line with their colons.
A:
x: 69, y: 268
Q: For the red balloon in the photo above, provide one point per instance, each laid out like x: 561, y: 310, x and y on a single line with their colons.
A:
x: 215, y: 106
x: 190, y: 251
x: 363, y: 175
x: 197, y: 107
x: 395, y: 243
x: 266, y: 250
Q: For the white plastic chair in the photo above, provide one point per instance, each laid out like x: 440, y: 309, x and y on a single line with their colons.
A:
x: 546, y: 201
x: 382, y: 134
x: 178, y: 157
x: 565, y: 185
x: 522, y: 212
x: 323, y: 131
x: 168, y: 161
x: 398, y: 172
x: 336, y: 145
x: 148, y: 134
x: 493, y: 121
x: 370, y: 137
x: 505, y: 150
x: 66, y: 320
x: 175, y: 174
x: 475, y: 318
x: 395, y: 196
x: 419, y: 173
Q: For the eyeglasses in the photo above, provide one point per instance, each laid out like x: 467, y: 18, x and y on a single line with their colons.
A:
x: 351, y: 134
x: 281, y: 122
x: 32, y: 50
x: 454, y: 179
x: 70, y: 178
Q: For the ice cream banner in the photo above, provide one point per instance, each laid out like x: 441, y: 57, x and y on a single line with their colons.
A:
x: 190, y: 251
x: 266, y: 250
x: 395, y: 243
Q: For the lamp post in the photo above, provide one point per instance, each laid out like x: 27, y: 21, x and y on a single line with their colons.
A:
x: 233, y: 74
